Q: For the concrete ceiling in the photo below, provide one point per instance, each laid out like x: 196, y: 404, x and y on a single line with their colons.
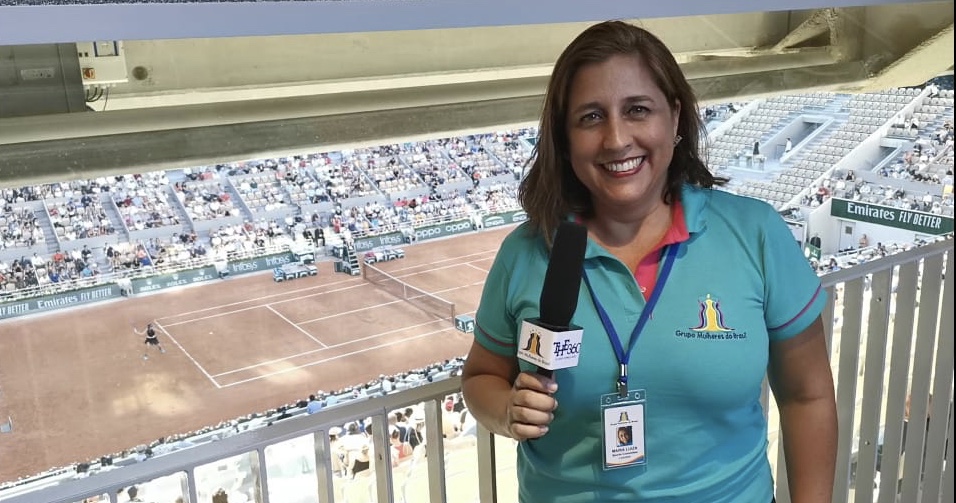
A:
x: 202, y: 100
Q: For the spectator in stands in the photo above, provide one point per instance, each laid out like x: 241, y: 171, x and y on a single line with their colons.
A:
x: 864, y: 241
x: 314, y: 405
x: 400, y: 450
x: 356, y: 446
x: 788, y: 146
x: 412, y: 434
x: 220, y: 496
x: 337, y: 452
x: 133, y: 494
x: 451, y: 422
x: 881, y: 249
x: 618, y: 152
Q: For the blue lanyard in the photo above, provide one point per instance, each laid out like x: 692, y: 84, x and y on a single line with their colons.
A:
x: 624, y: 357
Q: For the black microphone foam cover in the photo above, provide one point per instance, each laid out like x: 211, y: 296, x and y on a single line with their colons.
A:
x: 562, y: 281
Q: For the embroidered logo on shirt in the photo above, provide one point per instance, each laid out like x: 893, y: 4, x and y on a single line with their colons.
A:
x: 710, y: 316
x: 711, y: 323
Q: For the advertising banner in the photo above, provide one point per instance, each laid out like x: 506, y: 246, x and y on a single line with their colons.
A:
x: 443, y: 230
x: 924, y: 223
x: 170, y: 280
x: 372, y: 242
x: 506, y: 218
x: 23, y: 307
x: 265, y: 263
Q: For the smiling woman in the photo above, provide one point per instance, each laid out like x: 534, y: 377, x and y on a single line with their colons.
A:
x: 618, y: 153
x: 621, y: 126
x: 612, y: 103
x: 622, y: 131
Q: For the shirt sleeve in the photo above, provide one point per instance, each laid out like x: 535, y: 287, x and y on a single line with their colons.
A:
x: 793, y: 295
x: 496, y: 327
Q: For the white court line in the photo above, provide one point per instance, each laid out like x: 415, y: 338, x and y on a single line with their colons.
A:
x: 485, y: 252
x: 409, y: 275
x: 346, y: 343
x: 383, y: 304
x: 257, y: 306
x: 201, y: 318
x: 445, y: 260
x: 473, y: 266
x: 349, y: 280
x: 297, y: 327
x: 402, y: 276
x: 311, y: 351
x: 343, y: 313
x: 317, y: 362
x: 264, y: 297
x: 181, y: 348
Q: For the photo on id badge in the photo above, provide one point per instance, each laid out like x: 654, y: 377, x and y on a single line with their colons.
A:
x: 624, y: 435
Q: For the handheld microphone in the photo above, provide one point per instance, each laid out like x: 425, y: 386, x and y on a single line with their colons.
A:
x: 550, y: 342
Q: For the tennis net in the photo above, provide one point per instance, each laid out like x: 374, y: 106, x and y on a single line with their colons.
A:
x: 428, y: 302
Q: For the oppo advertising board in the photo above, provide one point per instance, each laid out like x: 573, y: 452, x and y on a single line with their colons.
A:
x: 443, y: 230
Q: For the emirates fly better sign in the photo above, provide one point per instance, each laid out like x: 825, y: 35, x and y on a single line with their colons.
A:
x: 924, y: 223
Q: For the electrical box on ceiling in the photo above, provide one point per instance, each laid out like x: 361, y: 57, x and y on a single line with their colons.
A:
x: 102, y: 63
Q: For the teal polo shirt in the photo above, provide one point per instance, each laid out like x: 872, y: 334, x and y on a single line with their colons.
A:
x: 739, y: 282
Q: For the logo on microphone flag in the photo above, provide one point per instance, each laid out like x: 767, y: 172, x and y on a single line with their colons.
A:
x: 548, y: 349
x: 534, y: 344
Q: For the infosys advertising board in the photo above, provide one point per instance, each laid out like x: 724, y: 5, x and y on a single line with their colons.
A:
x: 443, y: 230
x: 372, y: 242
x: 257, y: 264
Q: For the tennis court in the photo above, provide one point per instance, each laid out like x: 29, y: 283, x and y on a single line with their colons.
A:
x: 77, y: 386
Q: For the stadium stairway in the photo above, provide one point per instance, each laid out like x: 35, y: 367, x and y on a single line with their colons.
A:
x: 836, y: 108
x: 837, y: 105
x: 180, y: 210
x: 754, y: 183
x: 112, y: 212
x: 807, y: 150
x: 929, y: 130
x: 49, y: 234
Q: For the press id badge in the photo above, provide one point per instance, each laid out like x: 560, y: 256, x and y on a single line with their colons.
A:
x: 623, y: 418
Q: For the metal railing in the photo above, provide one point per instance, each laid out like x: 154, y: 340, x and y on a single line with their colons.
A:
x: 891, y: 343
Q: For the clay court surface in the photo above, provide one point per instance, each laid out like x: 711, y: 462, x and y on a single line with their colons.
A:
x: 77, y: 387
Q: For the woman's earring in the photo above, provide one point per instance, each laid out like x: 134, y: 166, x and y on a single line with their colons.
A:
x: 677, y: 139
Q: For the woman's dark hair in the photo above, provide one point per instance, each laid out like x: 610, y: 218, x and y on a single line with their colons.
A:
x: 551, y: 190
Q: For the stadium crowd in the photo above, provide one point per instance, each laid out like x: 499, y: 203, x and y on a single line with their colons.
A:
x: 161, y: 211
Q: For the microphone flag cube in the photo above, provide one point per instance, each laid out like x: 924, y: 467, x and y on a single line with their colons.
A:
x: 549, y: 349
